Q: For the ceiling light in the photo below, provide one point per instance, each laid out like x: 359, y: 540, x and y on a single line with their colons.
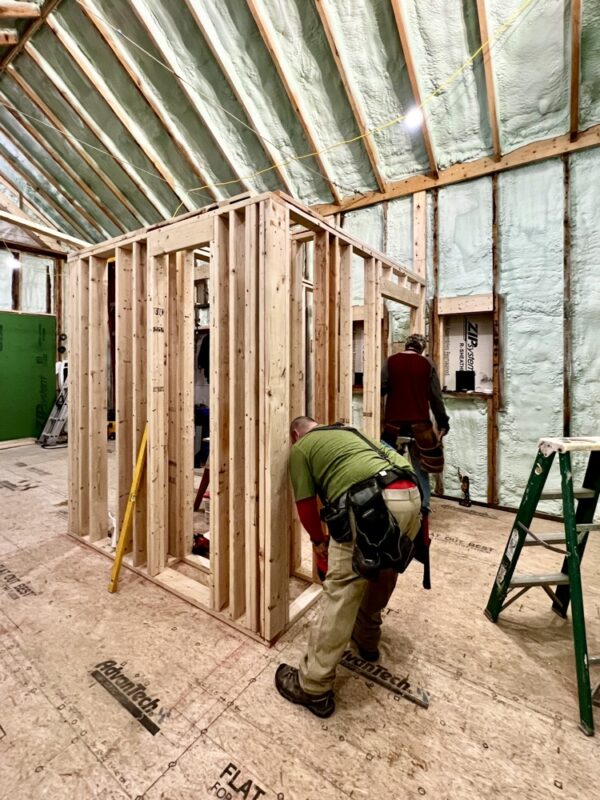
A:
x: 414, y: 119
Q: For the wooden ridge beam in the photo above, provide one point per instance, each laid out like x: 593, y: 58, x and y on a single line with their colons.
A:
x: 489, y: 80
x: 137, y: 132
x: 35, y: 25
x: 13, y: 9
x: 137, y: 78
x: 152, y: 29
x: 79, y: 149
x: 292, y: 95
x: 527, y: 154
x: 414, y: 82
x: 60, y: 162
x: 107, y: 142
x: 29, y: 225
x: 575, y: 67
x: 270, y: 151
x: 359, y: 117
x: 40, y: 167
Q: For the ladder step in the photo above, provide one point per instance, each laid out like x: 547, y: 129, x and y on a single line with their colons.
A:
x: 579, y: 494
x: 554, y: 579
x: 547, y: 538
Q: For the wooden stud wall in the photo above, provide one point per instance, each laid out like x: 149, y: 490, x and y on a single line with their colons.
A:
x: 259, y: 290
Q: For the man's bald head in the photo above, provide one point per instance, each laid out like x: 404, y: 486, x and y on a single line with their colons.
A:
x: 300, y: 426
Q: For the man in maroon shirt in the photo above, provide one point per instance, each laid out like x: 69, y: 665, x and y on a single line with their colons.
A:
x: 411, y: 385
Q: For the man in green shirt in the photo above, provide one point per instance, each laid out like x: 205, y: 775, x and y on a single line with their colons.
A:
x: 328, y: 462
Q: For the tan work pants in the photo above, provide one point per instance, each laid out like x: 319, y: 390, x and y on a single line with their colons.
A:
x: 351, y: 605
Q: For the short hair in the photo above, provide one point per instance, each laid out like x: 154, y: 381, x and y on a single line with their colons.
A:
x: 299, y: 424
x: 416, y: 342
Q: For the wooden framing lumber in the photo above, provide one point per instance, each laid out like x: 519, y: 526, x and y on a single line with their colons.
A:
x: 9, y: 212
x: 79, y: 149
x: 14, y: 9
x: 466, y: 304
x: 44, y: 12
x: 259, y: 293
x: 494, y: 403
x: 139, y: 182
x: 269, y: 40
x: 414, y: 82
x: 74, y: 407
x: 490, y: 89
x: 8, y: 36
x: 575, y: 68
x: 419, y: 257
x: 527, y: 154
x: 359, y: 118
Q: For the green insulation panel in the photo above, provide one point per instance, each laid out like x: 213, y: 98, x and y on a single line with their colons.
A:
x: 27, y: 377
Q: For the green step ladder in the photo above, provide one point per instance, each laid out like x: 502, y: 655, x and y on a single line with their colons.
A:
x: 563, y: 587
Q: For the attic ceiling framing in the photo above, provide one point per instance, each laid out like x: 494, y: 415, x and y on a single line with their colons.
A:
x: 108, y: 177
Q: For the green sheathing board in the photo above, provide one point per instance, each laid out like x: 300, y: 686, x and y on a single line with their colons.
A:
x: 27, y: 383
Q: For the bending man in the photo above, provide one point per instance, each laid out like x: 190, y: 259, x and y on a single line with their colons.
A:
x: 328, y: 462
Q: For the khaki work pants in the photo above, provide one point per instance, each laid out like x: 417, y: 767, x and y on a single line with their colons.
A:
x: 351, y: 605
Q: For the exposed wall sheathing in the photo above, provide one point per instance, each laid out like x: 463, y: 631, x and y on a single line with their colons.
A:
x: 531, y: 280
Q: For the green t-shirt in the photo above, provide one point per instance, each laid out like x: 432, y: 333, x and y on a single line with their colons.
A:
x: 333, y: 461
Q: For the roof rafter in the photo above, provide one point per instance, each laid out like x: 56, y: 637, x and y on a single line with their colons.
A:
x: 267, y: 147
x: 36, y: 187
x: 44, y: 11
x: 79, y: 149
x: 414, y: 82
x: 60, y: 162
x: 192, y: 95
x: 47, y: 175
x: 98, y: 132
x: 80, y: 58
x: 24, y: 200
x: 575, y: 66
x: 267, y: 38
x: 359, y: 118
x: 522, y: 156
x: 129, y: 65
x: 9, y: 212
x: 490, y: 88
x: 13, y: 9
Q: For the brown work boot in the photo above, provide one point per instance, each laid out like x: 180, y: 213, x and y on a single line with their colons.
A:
x: 288, y: 686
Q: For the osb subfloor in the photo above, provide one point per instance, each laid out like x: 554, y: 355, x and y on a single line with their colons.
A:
x: 502, y: 719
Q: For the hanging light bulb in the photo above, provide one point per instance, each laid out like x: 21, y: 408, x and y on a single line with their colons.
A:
x: 414, y: 119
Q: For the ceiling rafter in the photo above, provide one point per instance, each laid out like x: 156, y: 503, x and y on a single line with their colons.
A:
x: 359, y: 117
x: 50, y: 178
x: 60, y: 162
x: 79, y: 148
x: 129, y: 65
x: 270, y: 152
x: 414, y: 82
x: 269, y: 42
x: 81, y: 59
x: 44, y: 11
x: 490, y: 87
x: 13, y: 9
x: 96, y: 129
x: 191, y: 94
x: 25, y: 201
x: 575, y: 66
x: 11, y: 213
x: 527, y: 154
x: 36, y: 187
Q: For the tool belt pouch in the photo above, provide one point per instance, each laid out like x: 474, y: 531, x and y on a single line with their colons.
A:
x: 431, y: 451
x: 379, y: 542
x: 338, y: 523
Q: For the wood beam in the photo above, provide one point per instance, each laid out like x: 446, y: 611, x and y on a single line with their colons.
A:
x: 414, y: 82
x: 489, y: 80
x: 129, y: 121
x: 106, y: 140
x: 45, y: 10
x: 528, y: 154
x: 40, y: 167
x: 24, y: 201
x: 8, y: 36
x: 154, y: 33
x: 43, y: 230
x: 21, y: 10
x: 269, y: 42
x: 575, y: 66
x: 359, y: 117
x: 131, y: 68
x: 9, y: 212
x: 269, y: 149
x: 60, y: 162
x: 36, y: 187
